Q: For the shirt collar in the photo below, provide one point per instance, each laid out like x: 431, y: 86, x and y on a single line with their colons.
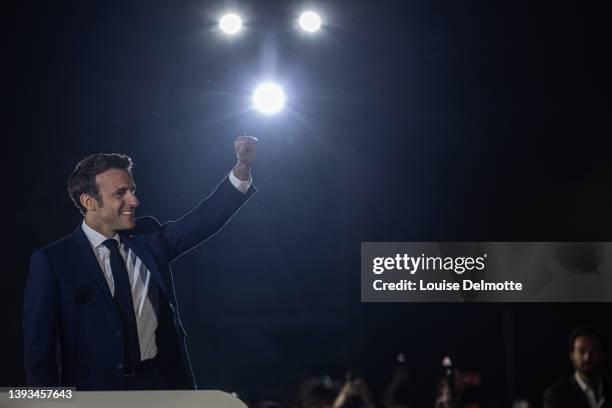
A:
x: 95, y: 238
x: 583, y: 385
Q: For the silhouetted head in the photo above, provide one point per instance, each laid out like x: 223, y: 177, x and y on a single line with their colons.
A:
x: 587, y: 351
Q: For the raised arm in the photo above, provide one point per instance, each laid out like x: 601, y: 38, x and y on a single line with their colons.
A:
x: 212, y: 213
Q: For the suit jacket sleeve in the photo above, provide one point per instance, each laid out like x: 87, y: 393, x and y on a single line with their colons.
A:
x: 549, y: 399
x: 205, y: 220
x: 40, y: 323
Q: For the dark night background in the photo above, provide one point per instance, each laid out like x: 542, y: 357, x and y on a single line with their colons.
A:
x: 405, y: 121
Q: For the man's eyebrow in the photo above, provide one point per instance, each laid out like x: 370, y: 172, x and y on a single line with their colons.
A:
x: 124, y: 189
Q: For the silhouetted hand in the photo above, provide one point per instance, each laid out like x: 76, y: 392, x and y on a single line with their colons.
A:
x: 354, y: 388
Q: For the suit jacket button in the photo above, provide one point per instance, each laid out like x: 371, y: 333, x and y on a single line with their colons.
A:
x: 119, y: 366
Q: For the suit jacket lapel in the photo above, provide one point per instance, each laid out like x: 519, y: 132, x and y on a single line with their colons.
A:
x: 144, y: 255
x: 91, y: 263
x: 579, y: 393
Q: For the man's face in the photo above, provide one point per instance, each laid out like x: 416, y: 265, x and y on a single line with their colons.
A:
x: 587, y: 355
x: 118, y: 203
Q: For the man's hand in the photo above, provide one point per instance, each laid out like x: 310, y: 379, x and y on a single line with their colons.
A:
x: 245, y: 152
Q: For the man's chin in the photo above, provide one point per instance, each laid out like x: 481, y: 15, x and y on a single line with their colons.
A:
x: 589, y: 371
x: 127, y: 224
x: 130, y: 225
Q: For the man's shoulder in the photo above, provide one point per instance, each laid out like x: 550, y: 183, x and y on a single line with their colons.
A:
x: 62, y: 245
x: 564, y: 383
x: 564, y: 391
x: 145, y: 225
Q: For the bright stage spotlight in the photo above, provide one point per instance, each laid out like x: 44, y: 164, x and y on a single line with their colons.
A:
x: 310, y: 21
x: 230, y: 23
x: 268, y: 98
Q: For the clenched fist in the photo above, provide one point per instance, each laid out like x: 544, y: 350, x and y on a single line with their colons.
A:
x: 246, y: 154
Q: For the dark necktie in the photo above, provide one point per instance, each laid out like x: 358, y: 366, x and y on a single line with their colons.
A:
x: 124, y: 304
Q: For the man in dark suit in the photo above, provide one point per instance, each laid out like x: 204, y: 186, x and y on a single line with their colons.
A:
x: 100, y: 310
x: 587, y: 387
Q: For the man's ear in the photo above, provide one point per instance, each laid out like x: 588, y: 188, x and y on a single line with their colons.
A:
x: 87, y: 201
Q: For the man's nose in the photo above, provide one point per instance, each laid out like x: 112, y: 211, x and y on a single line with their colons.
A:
x: 132, y: 200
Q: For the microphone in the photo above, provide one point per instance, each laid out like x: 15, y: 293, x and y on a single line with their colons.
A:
x: 82, y: 296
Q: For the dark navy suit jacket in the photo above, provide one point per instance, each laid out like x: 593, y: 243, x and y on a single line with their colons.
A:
x: 72, y: 332
x: 566, y: 393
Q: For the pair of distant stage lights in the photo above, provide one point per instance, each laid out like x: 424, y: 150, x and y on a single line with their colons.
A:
x: 269, y: 97
x: 231, y: 23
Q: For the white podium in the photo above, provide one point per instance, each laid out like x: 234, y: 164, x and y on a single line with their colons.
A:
x: 130, y: 399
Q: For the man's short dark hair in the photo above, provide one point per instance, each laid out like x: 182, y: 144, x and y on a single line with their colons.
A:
x: 83, y: 178
x: 586, y: 332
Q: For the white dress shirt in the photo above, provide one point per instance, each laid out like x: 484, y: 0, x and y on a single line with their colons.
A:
x: 140, y: 276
